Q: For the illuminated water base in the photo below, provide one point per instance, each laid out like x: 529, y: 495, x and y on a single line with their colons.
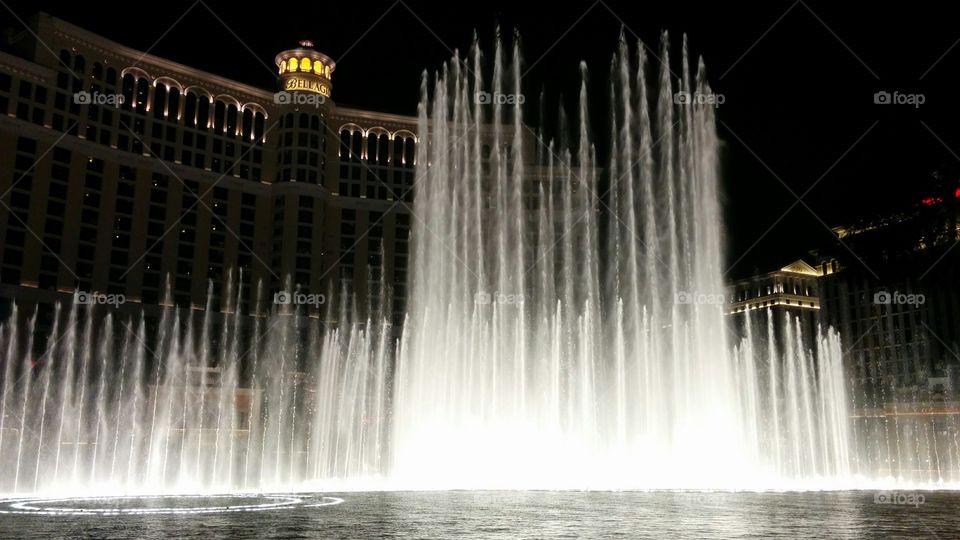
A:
x: 546, y: 343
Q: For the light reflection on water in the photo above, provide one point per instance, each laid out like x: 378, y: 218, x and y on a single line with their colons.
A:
x: 532, y: 514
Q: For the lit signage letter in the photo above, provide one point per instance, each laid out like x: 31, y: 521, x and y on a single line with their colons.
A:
x: 303, y: 84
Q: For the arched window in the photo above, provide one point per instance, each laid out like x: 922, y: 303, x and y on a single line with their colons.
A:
x: 173, y: 104
x: 356, y: 146
x: 97, y: 71
x: 232, y: 119
x: 65, y: 58
x: 258, y: 125
x: 159, y: 100
x: 292, y: 64
x: 371, y: 147
x: 409, y: 151
x: 79, y: 64
x: 383, y: 149
x: 143, y: 94
x: 304, y: 121
x: 203, y: 113
x: 344, y: 145
x: 247, y: 125
x: 127, y: 89
x: 219, y: 115
x: 190, y: 110
x: 397, y: 151
x: 315, y: 123
x: 305, y: 64
x: 111, y: 76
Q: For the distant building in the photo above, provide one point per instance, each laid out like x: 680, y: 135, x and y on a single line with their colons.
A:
x: 794, y: 287
x: 895, y: 301
x: 896, y: 308
x: 790, y: 293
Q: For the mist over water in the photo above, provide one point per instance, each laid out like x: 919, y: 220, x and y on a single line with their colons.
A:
x: 550, y: 339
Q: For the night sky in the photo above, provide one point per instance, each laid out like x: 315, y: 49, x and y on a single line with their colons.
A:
x: 798, y: 79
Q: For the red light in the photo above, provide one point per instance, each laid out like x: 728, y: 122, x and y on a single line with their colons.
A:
x: 957, y: 193
x: 930, y: 201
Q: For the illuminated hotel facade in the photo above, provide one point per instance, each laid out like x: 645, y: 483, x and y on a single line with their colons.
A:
x: 125, y: 173
x: 887, y: 286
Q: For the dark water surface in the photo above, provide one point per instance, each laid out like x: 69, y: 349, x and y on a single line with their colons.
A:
x: 502, y: 514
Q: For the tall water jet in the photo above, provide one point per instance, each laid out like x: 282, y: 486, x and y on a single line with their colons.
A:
x: 538, y: 355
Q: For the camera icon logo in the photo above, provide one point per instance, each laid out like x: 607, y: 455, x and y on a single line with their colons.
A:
x: 82, y: 98
x: 282, y: 98
x: 282, y: 298
x: 481, y: 297
x: 83, y: 298
x: 882, y: 98
x: 681, y: 98
x: 682, y: 297
x: 483, y: 98
x: 882, y: 297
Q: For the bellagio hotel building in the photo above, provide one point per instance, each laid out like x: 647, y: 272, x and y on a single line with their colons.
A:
x: 125, y: 173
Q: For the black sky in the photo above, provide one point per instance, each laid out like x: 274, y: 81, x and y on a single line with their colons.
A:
x: 798, y: 81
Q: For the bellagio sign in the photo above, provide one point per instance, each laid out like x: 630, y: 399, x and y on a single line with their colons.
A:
x: 305, y: 84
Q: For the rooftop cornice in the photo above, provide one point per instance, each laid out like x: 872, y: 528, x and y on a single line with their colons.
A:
x: 126, y: 57
x: 26, y: 67
x: 349, y: 113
